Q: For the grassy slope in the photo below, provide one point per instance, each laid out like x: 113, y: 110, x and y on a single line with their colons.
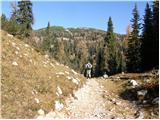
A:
x: 34, y: 73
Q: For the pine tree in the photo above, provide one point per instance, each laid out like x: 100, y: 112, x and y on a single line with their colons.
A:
x: 134, y: 45
x: 3, y: 21
x: 48, y: 28
x: 100, y: 63
x: 25, y: 16
x: 109, y: 36
x: 155, y: 52
x: 110, y: 44
x: 147, y: 40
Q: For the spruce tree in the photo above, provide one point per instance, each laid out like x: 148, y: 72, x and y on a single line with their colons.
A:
x: 110, y: 44
x: 147, y: 40
x: 48, y: 28
x: 109, y: 36
x: 155, y: 52
x: 25, y: 16
x: 100, y: 63
x: 134, y: 44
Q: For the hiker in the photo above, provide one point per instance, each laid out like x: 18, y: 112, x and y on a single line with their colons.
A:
x: 88, y: 67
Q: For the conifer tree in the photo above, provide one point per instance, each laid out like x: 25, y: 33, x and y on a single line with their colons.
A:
x: 147, y: 39
x: 25, y: 16
x: 48, y: 28
x: 134, y: 44
x: 111, y: 49
x: 100, y: 63
x: 155, y: 53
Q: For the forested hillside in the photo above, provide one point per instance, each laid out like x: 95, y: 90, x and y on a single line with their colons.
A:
x: 74, y: 46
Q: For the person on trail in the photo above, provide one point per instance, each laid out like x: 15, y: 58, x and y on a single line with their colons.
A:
x: 88, y: 69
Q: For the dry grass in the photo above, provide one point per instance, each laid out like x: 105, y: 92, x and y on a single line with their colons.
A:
x: 34, y: 73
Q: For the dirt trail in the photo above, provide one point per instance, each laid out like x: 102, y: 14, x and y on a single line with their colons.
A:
x: 94, y: 101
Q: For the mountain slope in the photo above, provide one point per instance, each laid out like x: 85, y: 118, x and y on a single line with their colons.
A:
x: 31, y: 81
x: 74, y: 46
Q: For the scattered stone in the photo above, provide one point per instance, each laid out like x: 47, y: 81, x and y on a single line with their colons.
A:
x: 14, y: 63
x: 13, y: 44
x: 74, y: 72
x: 30, y: 60
x: 105, y: 76
x: 122, y: 73
x: 46, y: 56
x: 52, y: 65
x: 41, y: 112
x: 60, y: 73
x: 67, y: 72
x: 25, y: 54
x: 57, y: 63
x: 16, y: 52
x: 17, y: 48
x: 37, y: 100
x: 9, y: 35
x: 58, y: 105
x: 68, y: 77
x: 75, y: 81
x: 26, y: 45
x: 155, y: 100
x: 59, y: 90
x: 142, y: 92
x: 133, y: 83
x: 139, y: 115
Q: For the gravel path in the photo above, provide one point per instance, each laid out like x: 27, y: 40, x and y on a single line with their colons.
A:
x: 93, y: 101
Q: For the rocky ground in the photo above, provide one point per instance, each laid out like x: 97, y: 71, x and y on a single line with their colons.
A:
x: 100, y: 98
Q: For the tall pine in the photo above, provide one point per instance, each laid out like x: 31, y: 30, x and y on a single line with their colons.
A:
x: 25, y: 16
x: 110, y: 43
x: 147, y: 40
x: 134, y: 44
x: 155, y: 53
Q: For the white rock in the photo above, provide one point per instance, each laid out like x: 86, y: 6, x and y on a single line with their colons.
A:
x: 40, y: 112
x: 66, y: 72
x: 68, y: 77
x: 57, y: 94
x: 14, y: 63
x: 26, y: 45
x: 16, y: 52
x: 142, y: 92
x: 155, y: 100
x: 46, y: 56
x: 37, y: 100
x: 122, y: 73
x: 59, y: 90
x: 58, y: 105
x: 60, y: 73
x: 17, y: 48
x: 57, y: 63
x: 74, y: 72
x: 13, y: 44
x: 75, y: 81
x: 9, y: 35
x: 134, y: 83
x: 105, y: 76
x: 25, y: 54
x: 52, y: 65
x: 30, y: 60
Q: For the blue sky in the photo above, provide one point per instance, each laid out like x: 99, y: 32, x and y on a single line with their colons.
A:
x: 82, y: 14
